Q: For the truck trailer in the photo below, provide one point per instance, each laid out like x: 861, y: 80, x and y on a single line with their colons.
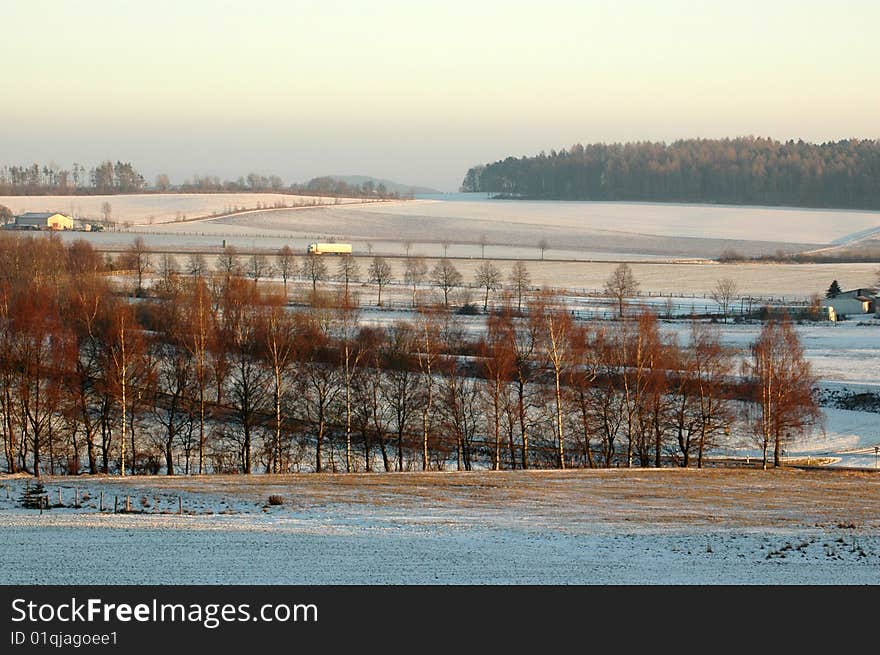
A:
x: 329, y: 249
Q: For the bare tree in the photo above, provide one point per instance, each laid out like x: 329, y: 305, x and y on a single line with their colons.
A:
x: 124, y: 345
x: 401, y: 382
x: 724, y: 291
x: 229, y: 263
x: 137, y: 258
x: 621, y: 284
x: 542, y: 246
x: 556, y: 328
x: 319, y: 388
x: 314, y: 269
x: 350, y: 356
x: 279, y: 338
x: 249, y: 379
x: 259, y: 268
x: 520, y: 280
x: 447, y: 277
x: 497, y: 368
x: 428, y: 352
x: 581, y: 376
x: 488, y: 277
x: 198, y: 337
x: 286, y: 265
x: 380, y: 275
x: 414, y: 273
x: 163, y: 182
x: 167, y: 269
x: 783, y: 383
x: 711, y: 364
x: 484, y: 241
x: 196, y: 265
x: 348, y: 271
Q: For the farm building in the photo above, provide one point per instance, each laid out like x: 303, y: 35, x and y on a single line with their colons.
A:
x: 851, y: 303
x: 44, y: 221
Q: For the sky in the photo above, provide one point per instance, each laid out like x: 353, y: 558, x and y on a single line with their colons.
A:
x: 418, y: 92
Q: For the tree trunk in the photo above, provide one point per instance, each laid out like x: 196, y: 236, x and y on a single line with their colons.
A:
x: 559, y: 431
x: 201, y: 429
x: 522, y: 424
x: 496, y: 464
x: 320, y: 443
x: 348, y: 454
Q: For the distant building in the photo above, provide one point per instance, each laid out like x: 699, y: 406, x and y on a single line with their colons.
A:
x: 854, y: 302
x: 43, y: 221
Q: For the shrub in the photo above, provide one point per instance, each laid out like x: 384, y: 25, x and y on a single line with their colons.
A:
x: 34, y: 496
x: 275, y: 499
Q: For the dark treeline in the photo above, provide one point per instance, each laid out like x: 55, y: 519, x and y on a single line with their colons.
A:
x: 104, y: 178
x: 745, y: 170
x: 118, y: 178
x: 212, y: 372
x: 318, y: 186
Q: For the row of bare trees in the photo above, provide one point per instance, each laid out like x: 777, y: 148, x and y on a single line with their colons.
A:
x: 316, y: 269
x: 215, y: 373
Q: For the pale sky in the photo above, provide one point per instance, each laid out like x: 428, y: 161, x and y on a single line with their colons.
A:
x: 419, y: 91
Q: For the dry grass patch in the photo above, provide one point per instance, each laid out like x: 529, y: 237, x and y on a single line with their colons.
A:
x: 569, y: 499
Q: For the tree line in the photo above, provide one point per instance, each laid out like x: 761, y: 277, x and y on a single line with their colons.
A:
x: 214, y: 372
x: 746, y: 170
x: 122, y: 177
x: 103, y: 178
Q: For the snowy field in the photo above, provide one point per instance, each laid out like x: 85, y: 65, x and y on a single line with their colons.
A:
x: 149, y: 209
x: 845, y: 352
x: 636, y: 228
x: 509, y: 229
x: 614, y: 527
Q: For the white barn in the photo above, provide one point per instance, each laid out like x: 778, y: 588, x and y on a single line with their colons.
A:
x: 855, y: 302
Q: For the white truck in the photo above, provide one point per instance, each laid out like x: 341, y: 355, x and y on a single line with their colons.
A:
x: 329, y: 249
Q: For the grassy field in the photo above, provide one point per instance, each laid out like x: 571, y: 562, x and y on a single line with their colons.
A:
x: 537, y: 527
x: 579, y: 500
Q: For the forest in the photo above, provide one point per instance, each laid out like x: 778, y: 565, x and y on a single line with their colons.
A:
x: 747, y: 170
x: 210, y: 370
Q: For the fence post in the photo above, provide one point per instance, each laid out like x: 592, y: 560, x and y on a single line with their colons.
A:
x: 179, y: 505
x: 127, y: 504
x: 115, y: 504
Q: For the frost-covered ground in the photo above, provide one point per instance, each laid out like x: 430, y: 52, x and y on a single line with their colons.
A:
x: 509, y: 229
x: 149, y: 209
x: 649, y: 228
x: 616, y: 527
x: 847, y: 352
